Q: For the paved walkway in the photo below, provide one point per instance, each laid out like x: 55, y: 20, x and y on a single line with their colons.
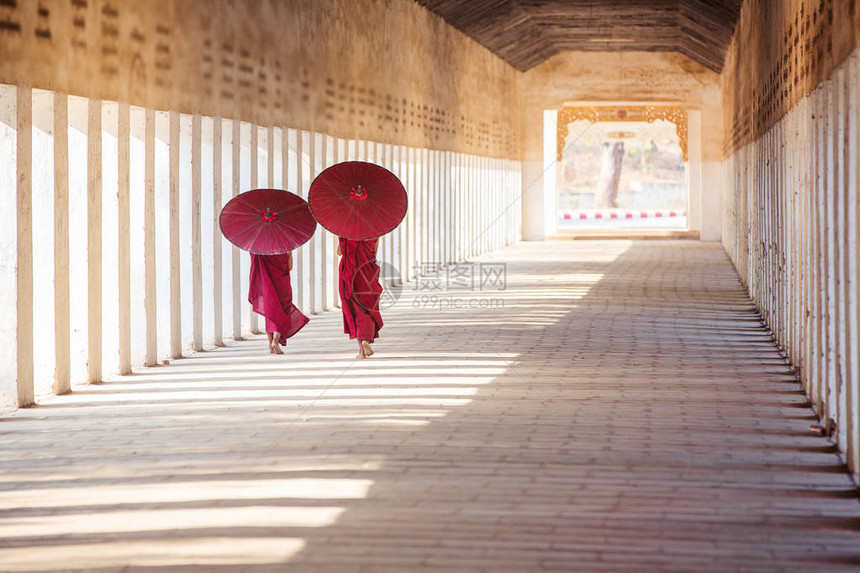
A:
x: 618, y: 407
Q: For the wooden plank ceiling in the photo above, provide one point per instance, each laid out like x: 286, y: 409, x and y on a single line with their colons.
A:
x: 527, y: 32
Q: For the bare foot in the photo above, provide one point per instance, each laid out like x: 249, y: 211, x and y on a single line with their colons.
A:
x: 368, y: 351
x: 276, y: 348
x: 360, y: 356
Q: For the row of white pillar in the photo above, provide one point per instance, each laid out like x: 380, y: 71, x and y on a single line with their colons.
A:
x: 111, y: 255
x: 791, y: 229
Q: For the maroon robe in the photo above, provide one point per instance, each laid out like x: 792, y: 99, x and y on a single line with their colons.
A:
x: 360, y: 289
x: 271, y: 295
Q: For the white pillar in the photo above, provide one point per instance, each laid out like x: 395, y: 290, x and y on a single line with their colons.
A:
x: 831, y: 255
x: 852, y: 158
x: 285, y: 160
x: 331, y: 145
x: 11, y: 382
x: 310, y: 249
x: 150, y: 297
x: 402, y: 232
x: 550, y: 193
x: 94, y: 243
x: 411, y: 184
x: 43, y: 189
x: 217, y: 267
x: 210, y: 172
x: 458, y: 206
x: 270, y: 157
x: 226, y: 172
x: 319, y: 239
x: 842, y: 224
x: 818, y: 304
x: 109, y: 306
x: 196, y: 259
x: 694, y: 170
x: 532, y: 188
x: 450, y: 217
x: 62, y: 327
x: 340, y: 155
x: 158, y: 296
x: 299, y: 255
x: 255, y: 327
x: 245, y: 183
x: 387, y: 248
x: 175, y: 285
x: 474, y: 214
x: 426, y: 220
x: 236, y: 261
x: 123, y: 237
x: 434, y: 238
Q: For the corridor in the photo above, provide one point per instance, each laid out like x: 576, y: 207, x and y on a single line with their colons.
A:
x: 592, y: 406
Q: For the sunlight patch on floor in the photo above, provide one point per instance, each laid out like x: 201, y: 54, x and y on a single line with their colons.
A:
x: 124, y: 521
x: 212, y: 551
x: 185, y: 491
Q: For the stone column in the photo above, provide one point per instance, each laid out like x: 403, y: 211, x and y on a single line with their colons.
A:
x: 458, y: 206
x: 832, y: 302
x: 320, y: 251
x: 433, y: 206
x: 474, y: 217
x: 426, y: 197
x: 300, y: 254
x: 329, y: 265
x: 150, y: 300
x: 418, y: 213
x: 94, y: 244
x: 196, y: 256
x: 217, y: 267
x: 852, y: 386
x: 402, y: 230
x: 340, y: 154
x: 383, y: 158
x: 255, y: 327
x: 236, y: 265
x: 285, y: 159
x: 16, y: 254
x: 62, y: 325
x: 311, y: 259
x: 175, y: 291
x: 694, y: 170
x: 533, y: 170
x: 123, y: 237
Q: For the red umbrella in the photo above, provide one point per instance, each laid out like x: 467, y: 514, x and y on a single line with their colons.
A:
x: 358, y: 200
x: 267, y: 221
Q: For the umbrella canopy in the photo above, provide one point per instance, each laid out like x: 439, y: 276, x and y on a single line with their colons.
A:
x: 358, y: 200
x: 267, y: 221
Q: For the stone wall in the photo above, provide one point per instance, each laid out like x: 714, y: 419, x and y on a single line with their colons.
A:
x: 381, y: 70
x: 790, y: 88
x: 780, y: 52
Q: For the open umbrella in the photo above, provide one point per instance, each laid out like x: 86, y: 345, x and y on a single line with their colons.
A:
x: 358, y: 200
x: 267, y: 221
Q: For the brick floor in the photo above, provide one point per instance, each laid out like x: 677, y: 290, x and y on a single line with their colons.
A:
x: 624, y: 410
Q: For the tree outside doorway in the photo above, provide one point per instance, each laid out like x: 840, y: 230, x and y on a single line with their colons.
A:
x: 622, y: 174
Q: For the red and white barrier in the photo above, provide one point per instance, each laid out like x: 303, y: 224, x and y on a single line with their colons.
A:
x: 594, y: 214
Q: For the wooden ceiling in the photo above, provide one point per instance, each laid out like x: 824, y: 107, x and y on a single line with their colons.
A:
x: 527, y: 32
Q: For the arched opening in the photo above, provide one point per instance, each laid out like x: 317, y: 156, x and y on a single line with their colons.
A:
x: 621, y: 168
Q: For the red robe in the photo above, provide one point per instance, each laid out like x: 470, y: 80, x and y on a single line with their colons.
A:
x: 360, y: 289
x: 271, y: 295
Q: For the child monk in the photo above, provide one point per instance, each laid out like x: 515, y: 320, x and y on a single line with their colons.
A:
x: 359, y: 292
x: 271, y: 295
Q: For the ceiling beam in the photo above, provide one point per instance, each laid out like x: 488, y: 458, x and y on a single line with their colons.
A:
x: 525, y: 33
